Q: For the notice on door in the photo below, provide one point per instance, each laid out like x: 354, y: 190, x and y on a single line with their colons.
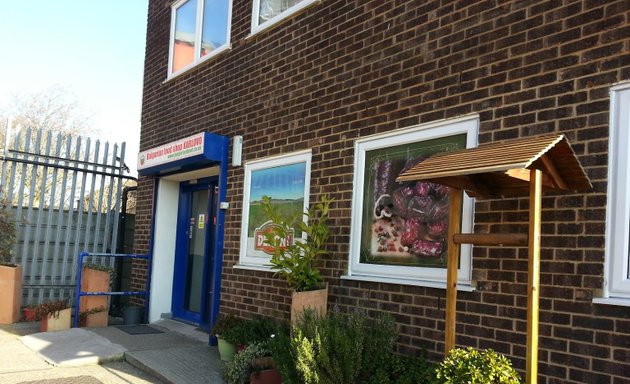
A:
x: 201, y: 223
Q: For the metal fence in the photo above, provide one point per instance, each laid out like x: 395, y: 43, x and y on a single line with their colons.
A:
x: 65, y: 192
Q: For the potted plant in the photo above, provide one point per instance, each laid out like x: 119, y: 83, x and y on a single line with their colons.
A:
x: 296, y: 261
x: 239, y: 370
x: 96, y: 278
x: 10, y: 273
x: 30, y: 313
x: 221, y: 329
x: 54, y: 316
x: 93, y: 317
x: 264, y: 371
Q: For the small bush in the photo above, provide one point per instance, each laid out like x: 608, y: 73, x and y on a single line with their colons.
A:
x: 284, y: 356
x: 469, y: 366
x: 224, y: 324
x: 245, y: 332
x: 238, y: 370
x: 347, y: 349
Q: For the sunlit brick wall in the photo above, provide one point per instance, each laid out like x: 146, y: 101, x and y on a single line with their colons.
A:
x: 343, y: 70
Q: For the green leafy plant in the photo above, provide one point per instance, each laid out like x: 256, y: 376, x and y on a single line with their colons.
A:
x: 283, y: 356
x: 224, y: 324
x: 470, y: 366
x: 344, y: 348
x: 249, y: 331
x: 7, y: 229
x: 51, y: 308
x: 408, y: 370
x: 104, y: 268
x: 296, y: 262
x: 239, y: 370
x: 83, y: 315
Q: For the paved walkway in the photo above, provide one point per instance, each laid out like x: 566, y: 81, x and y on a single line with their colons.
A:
x: 176, y: 353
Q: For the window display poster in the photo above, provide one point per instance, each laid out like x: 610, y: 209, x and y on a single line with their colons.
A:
x: 405, y: 223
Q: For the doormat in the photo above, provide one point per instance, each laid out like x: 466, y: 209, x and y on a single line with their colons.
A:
x: 67, y: 380
x: 141, y: 329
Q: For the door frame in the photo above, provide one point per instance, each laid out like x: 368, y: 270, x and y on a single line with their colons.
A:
x: 208, y: 296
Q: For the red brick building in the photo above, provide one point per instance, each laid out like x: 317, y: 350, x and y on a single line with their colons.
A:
x: 337, y: 97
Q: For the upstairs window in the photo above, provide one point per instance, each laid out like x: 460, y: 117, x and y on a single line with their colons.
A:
x: 618, y: 213
x: 199, y: 29
x: 269, y: 12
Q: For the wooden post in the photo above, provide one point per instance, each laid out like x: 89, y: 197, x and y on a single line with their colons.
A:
x: 452, y: 265
x: 533, y: 290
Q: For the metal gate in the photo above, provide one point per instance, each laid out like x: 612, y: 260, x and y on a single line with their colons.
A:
x: 65, y: 192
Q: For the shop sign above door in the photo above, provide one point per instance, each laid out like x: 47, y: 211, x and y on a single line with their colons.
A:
x: 186, y: 153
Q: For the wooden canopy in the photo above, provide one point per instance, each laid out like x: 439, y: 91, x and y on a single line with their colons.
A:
x: 497, y: 169
x: 516, y: 168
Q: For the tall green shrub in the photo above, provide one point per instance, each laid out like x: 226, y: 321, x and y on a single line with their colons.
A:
x: 343, y: 349
x: 295, y: 262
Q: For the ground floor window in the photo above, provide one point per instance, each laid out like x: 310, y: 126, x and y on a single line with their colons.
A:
x: 399, y: 229
x: 618, y: 214
x: 286, y: 179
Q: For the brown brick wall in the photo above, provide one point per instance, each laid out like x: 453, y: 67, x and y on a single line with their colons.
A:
x: 347, y: 69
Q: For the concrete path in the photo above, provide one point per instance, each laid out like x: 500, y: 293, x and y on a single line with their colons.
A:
x: 179, y: 354
x: 73, y: 347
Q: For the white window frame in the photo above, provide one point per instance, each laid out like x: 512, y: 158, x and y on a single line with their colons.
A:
x: 279, y: 17
x: 260, y: 262
x: 430, y: 277
x: 197, y: 59
x: 617, y: 281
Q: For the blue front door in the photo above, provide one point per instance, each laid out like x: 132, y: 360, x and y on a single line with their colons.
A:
x: 192, y: 284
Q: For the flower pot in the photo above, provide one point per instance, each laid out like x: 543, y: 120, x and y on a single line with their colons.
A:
x: 132, y: 315
x: 57, y: 321
x: 30, y: 314
x: 99, y: 319
x: 93, y: 280
x: 266, y: 376
x: 226, y: 350
x: 11, y: 288
x: 314, y: 300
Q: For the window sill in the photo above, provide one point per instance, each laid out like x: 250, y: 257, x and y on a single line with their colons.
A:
x: 250, y: 267
x: 217, y: 52
x: 624, y: 302
x: 418, y: 283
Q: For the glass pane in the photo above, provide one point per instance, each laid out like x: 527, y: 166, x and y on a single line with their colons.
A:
x: 196, y: 249
x: 271, y: 8
x: 184, y: 45
x: 215, y: 25
x: 405, y: 223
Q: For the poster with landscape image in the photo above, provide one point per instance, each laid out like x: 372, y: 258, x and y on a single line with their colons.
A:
x: 285, y: 185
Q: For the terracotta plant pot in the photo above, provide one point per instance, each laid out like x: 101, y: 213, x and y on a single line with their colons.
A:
x: 93, y: 280
x: 96, y: 320
x: 315, y: 300
x: 30, y: 314
x: 266, y: 376
x: 58, y: 321
x: 10, y: 299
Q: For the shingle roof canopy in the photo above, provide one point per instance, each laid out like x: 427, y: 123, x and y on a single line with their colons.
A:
x: 502, y: 168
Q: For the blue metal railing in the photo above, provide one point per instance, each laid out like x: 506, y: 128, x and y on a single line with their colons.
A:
x: 80, y: 293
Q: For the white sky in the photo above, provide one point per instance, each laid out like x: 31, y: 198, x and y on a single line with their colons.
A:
x: 93, y: 49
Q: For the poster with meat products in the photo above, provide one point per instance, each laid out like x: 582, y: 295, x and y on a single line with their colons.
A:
x: 405, y: 223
